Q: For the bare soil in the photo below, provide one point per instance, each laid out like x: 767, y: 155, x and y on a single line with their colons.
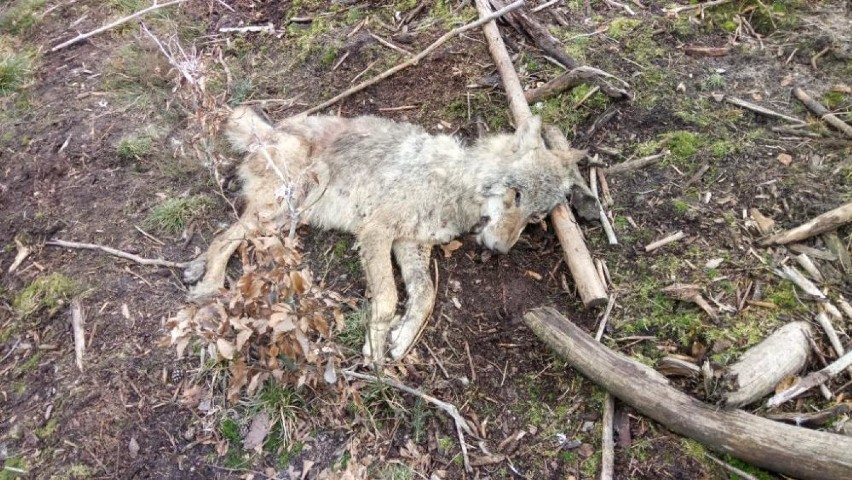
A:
x: 62, y: 176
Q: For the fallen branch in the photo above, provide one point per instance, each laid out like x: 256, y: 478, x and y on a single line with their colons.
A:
x: 577, y: 256
x: 626, y: 8
x: 823, y: 223
x: 118, y: 253
x: 120, y: 21
x: 664, y: 241
x: 415, y: 59
x: 607, y: 442
x: 593, y: 185
x: 579, y: 76
x: 762, y: 110
x: 700, y: 6
x: 831, y: 333
x: 775, y: 446
x: 811, y: 381
x: 636, y: 164
x: 823, y: 112
x: 448, y: 408
x: 268, y: 28
x: 77, y: 321
x: 539, y: 34
x: 801, y: 281
x: 782, y: 354
x: 690, y: 293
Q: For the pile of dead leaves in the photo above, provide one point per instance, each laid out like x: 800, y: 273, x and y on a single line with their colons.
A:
x: 274, y: 323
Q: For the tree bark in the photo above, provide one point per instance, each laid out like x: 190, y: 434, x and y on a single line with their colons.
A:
x: 789, y: 450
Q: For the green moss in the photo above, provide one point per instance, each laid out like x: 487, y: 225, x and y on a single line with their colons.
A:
x: 834, y: 100
x: 174, y: 214
x: 230, y: 430
x: 722, y: 148
x: 47, y: 430
x: 13, y: 467
x: 134, y: 146
x: 621, y: 27
x: 77, y: 472
x: 31, y: 363
x: 21, y: 17
x: 49, y: 293
x: 680, y: 206
x: 682, y: 144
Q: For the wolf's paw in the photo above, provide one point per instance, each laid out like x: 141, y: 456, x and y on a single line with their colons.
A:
x: 195, y: 270
x: 402, y: 338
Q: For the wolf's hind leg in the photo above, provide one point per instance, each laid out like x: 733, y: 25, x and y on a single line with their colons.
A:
x: 413, y: 260
x: 376, y: 260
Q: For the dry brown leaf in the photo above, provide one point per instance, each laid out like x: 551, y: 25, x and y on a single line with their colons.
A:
x: 786, y: 383
x: 451, y: 247
x: 257, y: 432
x: 225, y: 348
x: 785, y: 159
x: 764, y: 224
x: 242, y: 338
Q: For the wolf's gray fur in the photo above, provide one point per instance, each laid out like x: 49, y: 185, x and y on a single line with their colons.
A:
x: 399, y: 190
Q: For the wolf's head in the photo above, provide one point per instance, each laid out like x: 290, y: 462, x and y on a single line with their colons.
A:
x: 526, y: 183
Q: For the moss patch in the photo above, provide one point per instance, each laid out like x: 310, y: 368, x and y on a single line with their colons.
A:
x: 174, y: 214
x: 49, y: 293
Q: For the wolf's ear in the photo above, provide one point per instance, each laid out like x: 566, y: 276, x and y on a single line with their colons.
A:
x: 246, y: 127
x: 528, y: 134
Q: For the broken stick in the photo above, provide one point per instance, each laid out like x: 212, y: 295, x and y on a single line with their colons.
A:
x: 577, y: 257
x: 539, y: 34
x: 786, y: 449
x: 578, y: 76
x: 120, y: 21
x: 803, y: 385
x: 415, y: 59
x: 77, y: 321
x: 448, y: 408
x: 823, y: 223
x: 823, y: 112
x: 762, y: 110
x: 118, y: 253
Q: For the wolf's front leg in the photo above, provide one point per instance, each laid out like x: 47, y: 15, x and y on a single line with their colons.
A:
x: 413, y: 260
x: 376, y: 260
x: 214, y: 261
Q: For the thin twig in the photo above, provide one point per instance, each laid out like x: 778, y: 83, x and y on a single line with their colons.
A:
x: 700, y: 6
x: 77, y: 321
x: 731, y: 468
x: 415, y: 59
x: 448, y: 408
x: 593, y: 185
x: 545, y: 5
x: 665, y: 241
x: 635, y: 164
x: 390, y: 45
x: 823, y: 112
x: 114, y: 24
x: 762, y: 110
x: 812, y: 380
x: 118, y: 253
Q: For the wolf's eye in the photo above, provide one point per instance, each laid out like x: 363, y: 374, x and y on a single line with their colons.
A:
x: 517, y: 198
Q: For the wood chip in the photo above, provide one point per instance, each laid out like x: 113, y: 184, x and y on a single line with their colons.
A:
x: 698, y: 51
x: 785, y: 159
x: 764, y: 224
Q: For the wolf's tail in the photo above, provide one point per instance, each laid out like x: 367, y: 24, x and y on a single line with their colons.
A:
x: 246, y: 127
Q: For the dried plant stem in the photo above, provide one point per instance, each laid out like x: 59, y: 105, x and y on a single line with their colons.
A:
x: 118, y: 253
x: 120, y: 21
x: 77, y: 321
x: 415, y: 59
x: 448, y: 408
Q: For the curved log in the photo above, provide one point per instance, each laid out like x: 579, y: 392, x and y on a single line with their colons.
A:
x: 789, y: 450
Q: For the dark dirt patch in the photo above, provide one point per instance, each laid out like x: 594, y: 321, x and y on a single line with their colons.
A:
x: 63, y: 177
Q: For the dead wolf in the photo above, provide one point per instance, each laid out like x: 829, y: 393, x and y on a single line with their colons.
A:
x: 397, y: 188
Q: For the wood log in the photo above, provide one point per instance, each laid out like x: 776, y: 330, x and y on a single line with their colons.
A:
x: 577, y: 256
x: 785, y: 449
x: 823, y: 223
x: 761, y: 368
